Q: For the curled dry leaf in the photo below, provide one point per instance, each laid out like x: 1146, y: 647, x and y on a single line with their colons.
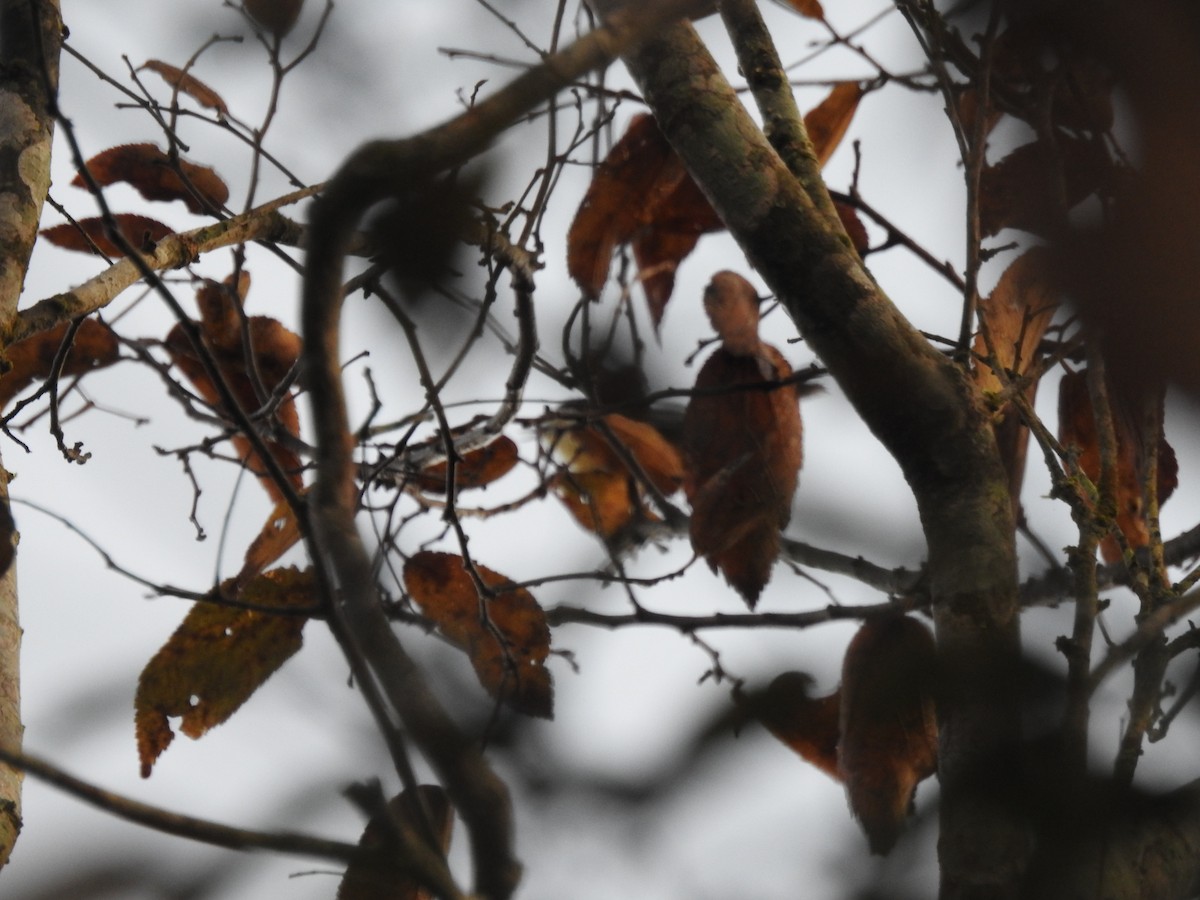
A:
x: 477, y: 468
x: 275, y: 351
x: 151, y: 172
x: 888, y: 723
x: 598, y: 486
x: 217, y: 658
x: 827, y: 122
x: 806, y: 724
x: 1016, y: 314
x: 32, y: 359
x: 741, y: 443
x: 1077, y: 429
x: 189, y: 84
x: 505, y: 635
x: 277, y: 16
x: 388, y: 880
x: 279, y: 534
x: 91, y: 235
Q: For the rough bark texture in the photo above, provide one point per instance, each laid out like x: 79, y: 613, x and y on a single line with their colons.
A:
x: 924, y: 410
x: 30, y: 37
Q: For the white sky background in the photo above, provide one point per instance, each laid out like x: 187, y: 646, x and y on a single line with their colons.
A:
x: 752, y: 820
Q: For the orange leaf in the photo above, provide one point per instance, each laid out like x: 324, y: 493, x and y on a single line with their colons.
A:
x: 477, y: 468
x: 275, y: 349
x: 32, y: 359
x: 374, y: 881
x: 278, y: 535
x: 1077, y: 428
x: 808, y: 725
x: 91, y: 235
x: 741, y: 444
x: 278, y: 16
x: 599, y: 487
x: 810, y: 8
x: 642, y: 193
x: 1034, y: 186
x: 151, y: 173
x: 216, y: 659
x: 1016, y: 314
x: 888, y: 725
x: 505, y: 635
x: 188, y: 84
x: 827, y: 122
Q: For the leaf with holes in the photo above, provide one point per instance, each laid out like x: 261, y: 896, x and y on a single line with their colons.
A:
x: 217, y: 659
x: 504, y: 634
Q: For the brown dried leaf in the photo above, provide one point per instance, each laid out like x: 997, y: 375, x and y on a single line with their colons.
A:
x: 741, y: 444
x: 477, y: 468
x: 150, y: 172
x: 806, y: 724
x: 809, y: 8
x: 279, y: 534
x: 216, y: 659
x: 598, y: 487
x: 276, y: 350
x: 827, y: 122
x: 32, y: 359
x: 888, y: 724
x: 91, y: 235
x: 506, y: 635
x: 855, y: 230
x: 189, y: 84
x: 277, y: 16
x: 1077, y: 428
x: 640, y: 193
x: 1017, y: 314
x: 364, y: 881
x: 1034, y: 186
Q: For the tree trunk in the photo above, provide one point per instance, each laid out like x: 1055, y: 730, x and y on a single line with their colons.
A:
x: 30, y: 40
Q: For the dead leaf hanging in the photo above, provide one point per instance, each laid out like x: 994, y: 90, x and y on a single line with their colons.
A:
x: 217, y: 658
x: 887, y: 739
x: 275, y: 351
x: 91, y: 235
x: 741, y: 443
x: 94, y: 347
x: 806, y: 724
x: 505, y: 635
x: 189, y: 84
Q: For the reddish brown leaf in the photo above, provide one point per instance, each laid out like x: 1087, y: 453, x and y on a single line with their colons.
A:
x: 810, y: 8
x: 477, y: 468
x: 888, y: 724
x: 91, y: 235
x: 216, y: 659
x: 1016, y: 314
x: 640, y: 193
x: 277, y: 16
x: 1077, y: 428
x: 505, y: 635
x: 151, y: 173
x: 855, y: 230
x: 279, y: 534
x: 599, y: 487
x: 275, y: 349
x: 741, y: 444
x: 189, y: 84
x: 1034, y: 186
x: 387, y: 879
x: 827, y: 122
x: 32, y: 359
x: 806, y: 724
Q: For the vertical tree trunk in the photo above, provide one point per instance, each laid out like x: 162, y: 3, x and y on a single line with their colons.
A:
x: 30, y: 40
